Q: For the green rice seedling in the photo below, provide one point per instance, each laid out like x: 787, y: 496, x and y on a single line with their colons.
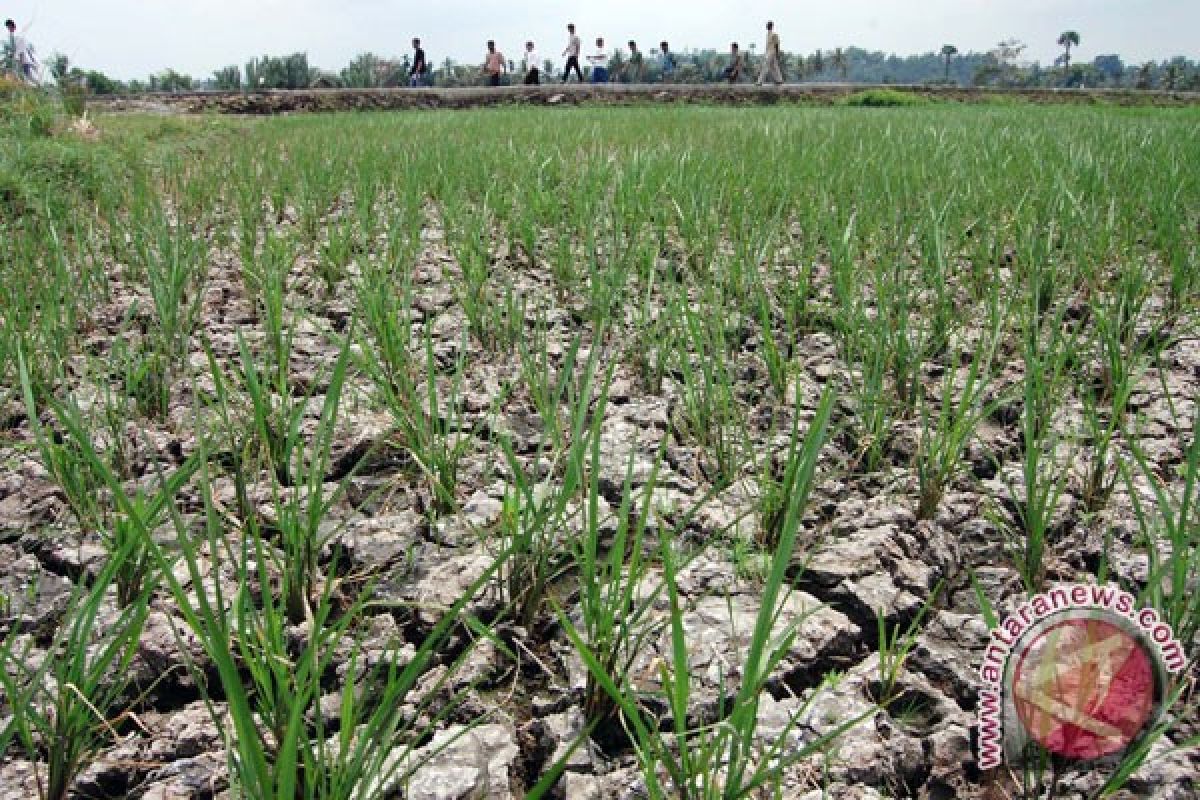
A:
x: 711, y: 413
x: 300, y: 470
x: 899, y: 334
x: 866, y: 346
x: 1106, y: 399
x: 1177, y: 707
x: 1170, y: 534
x: 337, y: 251
x: 249, y: 203
x: 947, y: 426
x: 894, y: 646
x: 1047, y: 350
x: 1169, y: 226
x: 776, y: 352
x: 172, y: 260
x: 1101, y: 426
x: 437, y: 441
x: 550, y: 388
x: 72, y: 460
x: 652, y: 343
x: 280, y: 739
x: 467, y: 235
x: 271, y: 273
x: 722, y: 759
x: 428, y: 420
x: 301, y: 509
x: 508, y: 315
x: 67, y: 708
x: 840, y: 234
x: 319, y: 189
x: 776, y: 490
x: 613, y: 601
x: 385, y: 302
x: 535, y: 515
x: 367, y: 192
x: 64, y: 458
x: 276, y: 414
x: 564, y: 264
x: 142, y: 382
x: 40, y: 317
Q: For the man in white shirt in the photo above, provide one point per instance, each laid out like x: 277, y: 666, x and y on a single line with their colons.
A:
x: 599, y: 61
x: 572, y: 54
x: 532, y: 70
x: 22, y: 62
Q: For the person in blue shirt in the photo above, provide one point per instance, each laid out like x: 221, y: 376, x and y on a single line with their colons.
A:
x: 666, y: 62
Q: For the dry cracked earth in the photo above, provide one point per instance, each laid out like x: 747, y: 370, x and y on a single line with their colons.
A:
x: 862, y: 546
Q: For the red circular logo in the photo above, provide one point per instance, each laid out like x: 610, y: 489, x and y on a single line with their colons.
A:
x: 1084, y: 688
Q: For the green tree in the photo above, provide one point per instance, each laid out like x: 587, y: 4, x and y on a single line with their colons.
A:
x: 1000, y: 65
x: 817, y: 64
x: 228, y: 79
x: 288, y: 72
x: 363, y: 72
x: 99, y: 83
x: 60, y: 68
x: 840, y: 63
x: 1067, y: 40
x: 170, y: 81
x: 1145, y: 77
x: 949, y: 51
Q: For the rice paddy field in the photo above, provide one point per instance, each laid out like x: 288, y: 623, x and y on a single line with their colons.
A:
x: 582, y: 453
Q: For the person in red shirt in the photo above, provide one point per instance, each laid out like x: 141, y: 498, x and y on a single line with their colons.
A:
x: 494, y: 65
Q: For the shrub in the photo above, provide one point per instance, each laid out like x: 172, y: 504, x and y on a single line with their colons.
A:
x: 883, y: 98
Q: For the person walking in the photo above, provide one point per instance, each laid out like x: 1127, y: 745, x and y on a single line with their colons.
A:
x: 733, y: 73
x: 634, y: 70
x: 572, y: 54
x: 494, y: 65
x: 22, y: 62
x: 599, y: 61
x: 533, y: 74
x: 419, y: 72
x: 666, y: 62
x: 771, y: 66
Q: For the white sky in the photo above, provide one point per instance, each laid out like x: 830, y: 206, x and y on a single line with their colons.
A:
x: 132, y: 38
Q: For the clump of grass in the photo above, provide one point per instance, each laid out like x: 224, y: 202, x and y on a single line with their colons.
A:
x: 883, y: 98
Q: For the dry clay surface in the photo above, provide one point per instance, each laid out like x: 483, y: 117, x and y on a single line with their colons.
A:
x: 864, y: 548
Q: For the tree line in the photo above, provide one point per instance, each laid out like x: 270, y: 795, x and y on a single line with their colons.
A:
x: 1001, y: 66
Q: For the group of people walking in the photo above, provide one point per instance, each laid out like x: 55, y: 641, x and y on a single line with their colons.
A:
x: 20, y: 61
x: 632, y: 70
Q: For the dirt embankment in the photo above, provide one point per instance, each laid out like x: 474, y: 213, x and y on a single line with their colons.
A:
x: 311, y: 100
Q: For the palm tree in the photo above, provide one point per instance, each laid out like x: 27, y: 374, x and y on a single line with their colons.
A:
x: 949, y: 51
x: 1066, y: 41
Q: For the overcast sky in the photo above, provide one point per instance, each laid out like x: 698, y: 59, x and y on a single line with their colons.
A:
x: 132, y: 38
